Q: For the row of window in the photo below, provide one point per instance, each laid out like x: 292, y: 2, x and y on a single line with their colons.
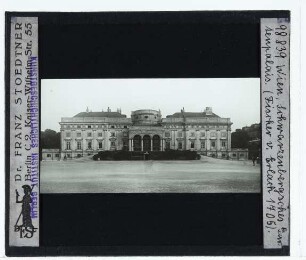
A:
x: 199, y: 126
x: 192, y: 145
x: 100, y: 134
x: 49, y: 155
x: 145, y: 117
x: 167, y: 134
x: 93, y: 126
x: 113, y: 145
x: 125, y: 126
x: 89, y: 145
x: 202, y: 134
x: 212, y: 144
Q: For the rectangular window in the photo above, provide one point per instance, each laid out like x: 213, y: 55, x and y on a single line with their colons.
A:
x: 203, y: 145
x: 223, y: 144
x: 167, y: 145
x: 68, y: 134
x: 89, y: 126
x: 192, y: 145
x: 99, y: 126
x: 78, y: 126
x: 79, y: 145
x: 89, y: 145
x: 112, y: 134
x: 79, y: 134
x: 180, y: 134
x: 67, y: 145
x: 125, y: 134
x: 113, y: 144
x: 125, y: 126
x: 180, y: 145
x: 223, y: 134
x: 56, y: 155
x: 100, y: 134
x: 125, y: 146
x: 213, y: 144
x: 68, y: 155
x: 48, y: 155
x: 100, y: 145
x: 192, y: 134
x: 202, y: 134
x: 88, y: 134
x: 167, y: 134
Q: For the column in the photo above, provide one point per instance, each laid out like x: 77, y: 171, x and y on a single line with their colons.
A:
x: 161, y: 144
x: 186, y: 147
x: 141, y: 144
x: 198, y: 141
x: 152, y: 144
x: 207, y: 140
x: 132, y: 145
x: 84, y: 142
x: 229, y: 145
x: 62, y: 144
x: 74, y: 143
x: 94, y: 142
x: 172, y: 139
x: 218, y: 141
x: 105, y: 140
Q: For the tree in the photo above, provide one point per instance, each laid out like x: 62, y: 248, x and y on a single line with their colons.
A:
x: 240, y: 139
x: 50, y: 139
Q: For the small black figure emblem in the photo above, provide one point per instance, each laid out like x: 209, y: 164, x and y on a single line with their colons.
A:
x: 26, y: 229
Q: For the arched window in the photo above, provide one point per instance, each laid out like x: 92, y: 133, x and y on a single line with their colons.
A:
x: 156, y: 143
x: 137, y: 143
x: 146, y: 143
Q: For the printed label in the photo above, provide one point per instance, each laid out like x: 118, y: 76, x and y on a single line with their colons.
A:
x: 24, y: 133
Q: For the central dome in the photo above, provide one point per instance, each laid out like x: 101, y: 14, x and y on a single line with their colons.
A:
x: 146, y: 117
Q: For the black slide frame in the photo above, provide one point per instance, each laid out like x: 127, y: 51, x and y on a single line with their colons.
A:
x: 215, y: 44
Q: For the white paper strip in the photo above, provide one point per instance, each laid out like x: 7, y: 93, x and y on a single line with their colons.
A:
x: 24, y: 133
x: 275, y: 130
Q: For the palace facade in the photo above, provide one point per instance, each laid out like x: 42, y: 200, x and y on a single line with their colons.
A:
x: 87, y: 133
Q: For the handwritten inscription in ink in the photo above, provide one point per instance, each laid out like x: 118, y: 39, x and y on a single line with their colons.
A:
x: 275, y: 130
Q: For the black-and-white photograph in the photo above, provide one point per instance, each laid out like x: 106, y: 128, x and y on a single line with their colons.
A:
x: 146, y: 133
x: 150, y: 136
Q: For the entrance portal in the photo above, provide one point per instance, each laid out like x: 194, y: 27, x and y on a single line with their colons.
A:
x: 146, y: 143
x: 156, y: 143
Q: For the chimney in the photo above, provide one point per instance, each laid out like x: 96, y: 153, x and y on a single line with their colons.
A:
x: 108, y: 109
x: 208, y: 111
x: 87, y: 110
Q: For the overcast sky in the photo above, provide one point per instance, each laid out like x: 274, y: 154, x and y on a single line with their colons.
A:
x: 238, y: 99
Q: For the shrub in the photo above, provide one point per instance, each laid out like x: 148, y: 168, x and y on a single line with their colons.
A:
x: 153, y: 155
